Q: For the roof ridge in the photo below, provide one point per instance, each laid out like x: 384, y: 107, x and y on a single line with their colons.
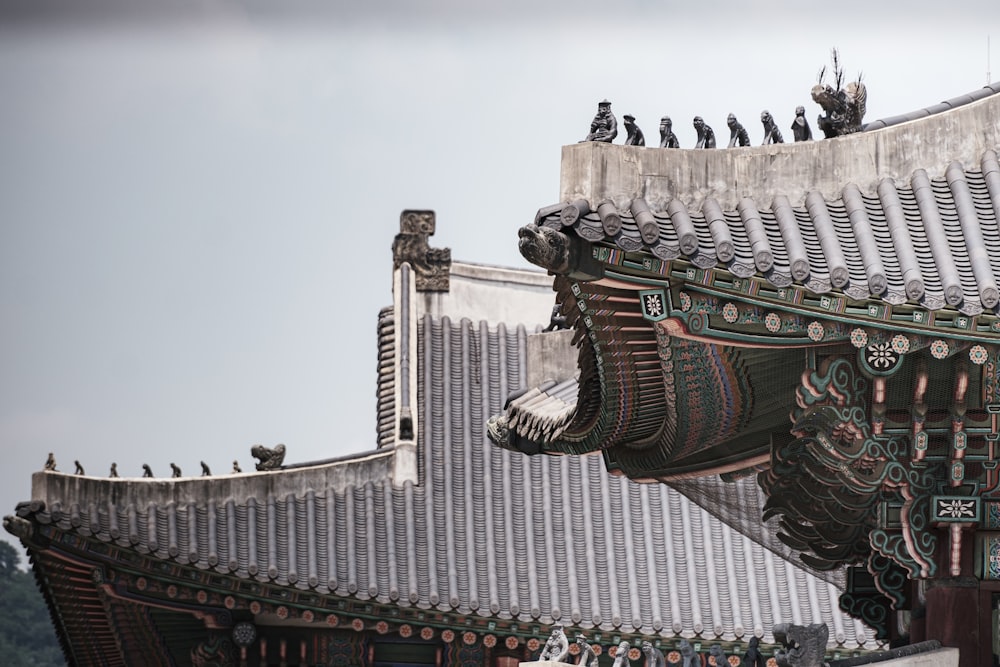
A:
x: 947, y: 105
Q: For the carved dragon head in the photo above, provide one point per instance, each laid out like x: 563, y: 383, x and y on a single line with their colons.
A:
x: 545, y: 247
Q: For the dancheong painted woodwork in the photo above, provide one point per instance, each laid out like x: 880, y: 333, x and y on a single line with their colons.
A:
x: 822, y: 316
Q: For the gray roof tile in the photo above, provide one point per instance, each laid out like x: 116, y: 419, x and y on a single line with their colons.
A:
x: 932, y: 240
x: 485, y: 531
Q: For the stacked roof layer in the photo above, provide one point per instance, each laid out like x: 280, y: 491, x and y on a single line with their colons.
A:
x: 483, y: 531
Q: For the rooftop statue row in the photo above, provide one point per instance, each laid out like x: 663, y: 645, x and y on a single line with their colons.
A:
x: 843, y: 106
x: 604, y: 128
x: 802, y: 646
x: 797, y: 646
x: 267, y: 459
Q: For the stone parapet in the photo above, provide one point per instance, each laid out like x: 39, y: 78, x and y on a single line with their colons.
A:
x: 597, y: 171
x: 52, y: 488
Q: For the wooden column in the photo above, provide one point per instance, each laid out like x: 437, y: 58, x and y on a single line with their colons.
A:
x: 953, y: 609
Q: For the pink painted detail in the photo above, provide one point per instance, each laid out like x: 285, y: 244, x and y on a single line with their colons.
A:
x: 730, y: 313
x: 956, y: 549
x: 859, y: 337
x: 978, y: 355
x: 816, y: 331
x: 685, y: 301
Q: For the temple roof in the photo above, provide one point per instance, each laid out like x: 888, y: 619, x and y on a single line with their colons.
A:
x: 693, y: 277
x: 904, y: 214
x: 450, y: 523
x: 850, y: 281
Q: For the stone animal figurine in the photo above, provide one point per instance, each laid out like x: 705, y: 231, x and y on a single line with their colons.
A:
x: 667, y: 137
x: 688, y: 657
x: 715, y: 651
x: 753, y: 657
x: 737, y: 133
x: 635, y: 137
x: 706, y: 135
x: 556, y: 646
x: 800, y: 126
x: 621, y: 655
x: 654, y: 657
x: 771, y: 133
x: 604, y: 127
x: 587, y: 656
x: 267, y: 458
x: 844, y: 105
x: 557, y: 321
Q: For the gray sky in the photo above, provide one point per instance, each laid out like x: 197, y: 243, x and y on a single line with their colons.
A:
x: 197, y: 204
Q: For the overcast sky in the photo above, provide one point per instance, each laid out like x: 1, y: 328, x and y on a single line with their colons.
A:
x: 197, y: 203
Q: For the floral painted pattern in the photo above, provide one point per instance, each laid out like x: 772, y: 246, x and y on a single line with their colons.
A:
x: 685, y: 301
x: 859, y: 337
x: 978, y: 355
x: 816, y: 331
x: 730, y: 313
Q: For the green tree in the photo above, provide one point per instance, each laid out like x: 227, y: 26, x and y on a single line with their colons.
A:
x: 9, y: 559
x: 27, y: 638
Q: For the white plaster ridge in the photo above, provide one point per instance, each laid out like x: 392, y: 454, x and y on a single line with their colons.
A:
x: 62, y: 488
x: 491, y: 293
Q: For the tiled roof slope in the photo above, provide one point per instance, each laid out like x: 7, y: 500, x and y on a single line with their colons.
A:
x: 485, y: 531
x: 385, y: 395
x: 933, y: 240
x: 902, y: 214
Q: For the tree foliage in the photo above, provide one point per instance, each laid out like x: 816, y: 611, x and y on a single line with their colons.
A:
x: 27, y: 638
